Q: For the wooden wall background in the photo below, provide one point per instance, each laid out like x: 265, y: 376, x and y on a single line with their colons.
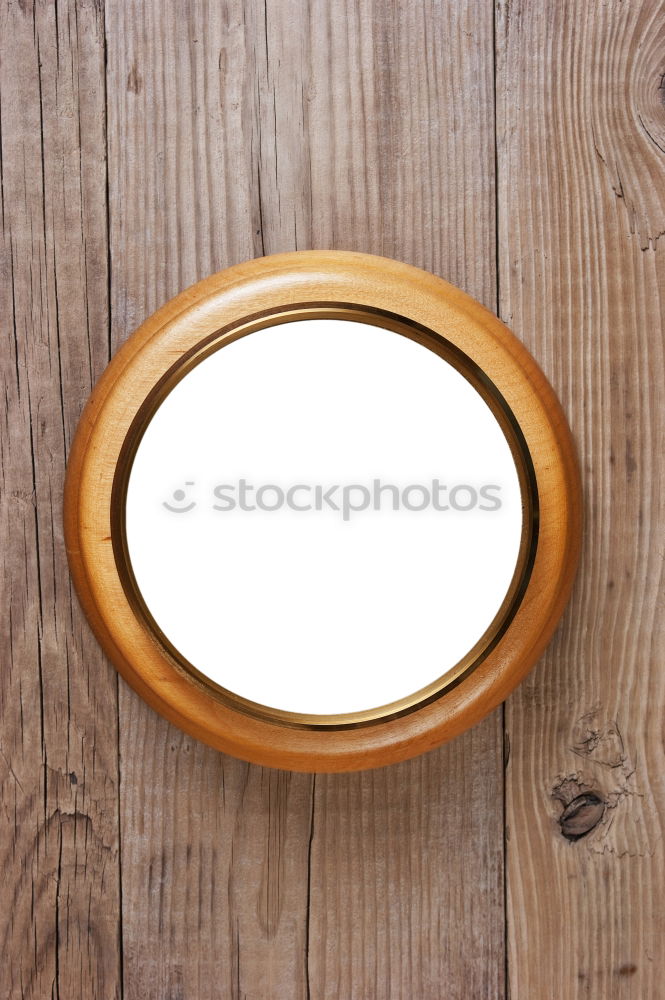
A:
x: 516, y: 148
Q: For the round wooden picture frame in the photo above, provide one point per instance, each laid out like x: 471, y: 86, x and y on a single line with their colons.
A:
x: 233, y: 304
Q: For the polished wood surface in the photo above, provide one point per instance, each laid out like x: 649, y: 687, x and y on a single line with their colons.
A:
x: 228, y: 301
x: 137, y: 862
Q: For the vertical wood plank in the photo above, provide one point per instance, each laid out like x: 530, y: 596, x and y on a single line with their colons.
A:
x: 400, y: 123
x: 58, y: 737
x: 582, y: 215
x: 407, y: 862
x: 214, y: 851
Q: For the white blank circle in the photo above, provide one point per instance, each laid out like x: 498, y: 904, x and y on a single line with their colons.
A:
x: 306, y: 611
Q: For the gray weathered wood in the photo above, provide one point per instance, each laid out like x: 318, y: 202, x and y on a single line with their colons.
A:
x: 582, y: 215
x: 59, y: 861
x: 214, y: 852
x: 240, y: 128
x: 407, y: 862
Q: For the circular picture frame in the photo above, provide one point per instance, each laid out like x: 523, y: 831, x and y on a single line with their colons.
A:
x: 278, y: 289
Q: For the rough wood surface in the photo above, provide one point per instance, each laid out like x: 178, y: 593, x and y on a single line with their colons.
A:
x: 248, y: 128
x: 237, y: 128
x: 59, y: 866
x: 581, y: 140
x: 214, y: 852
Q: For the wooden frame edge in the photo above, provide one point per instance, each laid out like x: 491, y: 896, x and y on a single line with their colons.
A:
x: 417, y: 296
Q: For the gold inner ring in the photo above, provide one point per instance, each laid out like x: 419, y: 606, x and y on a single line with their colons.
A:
x: 438, y: 345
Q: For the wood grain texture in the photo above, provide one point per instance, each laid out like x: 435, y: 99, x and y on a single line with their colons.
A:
x: 581, y: 141
x: 401, y: 141
x: 242, y: 129
x: 58, y: 742
x: 214, y: 853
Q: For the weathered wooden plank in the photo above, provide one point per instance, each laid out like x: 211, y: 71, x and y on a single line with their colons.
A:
x: 58, y: 744
x: 407, y: 862
x: 244, y: 128
x: 406, y: 877
x: 247, y: 128
x: 400, y: 126
x: 214, y: 852
x: 582, y: 214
